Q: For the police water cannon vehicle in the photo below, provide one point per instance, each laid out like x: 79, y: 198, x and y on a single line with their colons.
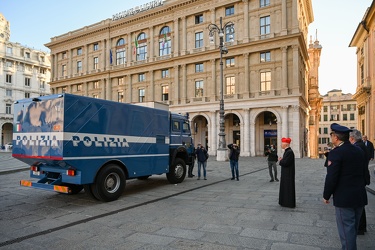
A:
x: 74, y: 142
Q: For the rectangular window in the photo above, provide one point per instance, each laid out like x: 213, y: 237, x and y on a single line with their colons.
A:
x: 8, y: 92
x: 42, y: 71
x: 9, y: 50
x: 96, y: 84
x: 79, y: 67
x: 265, y: 25
x: 198, y: 40
x: 63, y: 55
x: 141, y: 77
x: 120, y: 96
x: 199, y: 88
x: 27, y: 81
x: 8, y: 78
x: 165, y: 92
x: 96, y: 62
x: 120, y: 81
x: 27, y: 95
x: 229, y: 11
x: 324, y: 140
x: 264, y: 3
x: 27, y: 55
x: 325, y: 118
x: 345, y: 117
x: 229, y: 34
x: 95, y: 96
x: 352, y: 117
x: 325, y: 131
x: 42, y: 84
x: 362, y: 72
x: 63, y: 90
x: 320, y: 130
x: 165, y: 73
x: 198, y: 67
x: 9, y: 64
x: 199, y: 19
x: 265, y: 57
x: 230, y: 84
x: 79, y: 87
x: 229, y: 62
x: 96, y: 46
x: 8, y: 109
x: 265, y: 81
x: 141, y: 95
x: 79, y: 51
x: 325, y: 108
x: 63, y: 70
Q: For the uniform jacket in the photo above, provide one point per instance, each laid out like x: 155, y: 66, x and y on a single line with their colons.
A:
x: 362, y: 145
x: 345, y: 176
x: 370, y: 147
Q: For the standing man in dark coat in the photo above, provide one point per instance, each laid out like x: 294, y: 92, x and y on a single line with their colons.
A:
x: 233, y: 160
x: 346, y: 182
x: 272, y: 160
x: 370, y: 147
x: 287, y: 194
x: 355, y: 138
x: 201, y: 154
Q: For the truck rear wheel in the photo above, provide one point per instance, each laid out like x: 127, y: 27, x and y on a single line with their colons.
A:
x: 110, y: 183
x: 177, y: 171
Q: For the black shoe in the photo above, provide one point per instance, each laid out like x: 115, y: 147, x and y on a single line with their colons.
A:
x: 276, y: 179
x: 361, y: 232
x: 238, y: 179
x: 205, y: 179
x: 190, y: 176
x: 232, y: 178
x: 271, y: 180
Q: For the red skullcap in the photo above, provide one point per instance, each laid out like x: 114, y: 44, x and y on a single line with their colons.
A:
x: 286, y: 140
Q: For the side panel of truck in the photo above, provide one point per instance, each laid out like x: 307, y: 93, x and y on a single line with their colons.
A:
x: 77, y: 132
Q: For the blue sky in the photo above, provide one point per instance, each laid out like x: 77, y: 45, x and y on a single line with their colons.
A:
x: 34, y: 22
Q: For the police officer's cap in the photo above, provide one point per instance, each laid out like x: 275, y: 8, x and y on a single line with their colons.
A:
x: 337, y: 128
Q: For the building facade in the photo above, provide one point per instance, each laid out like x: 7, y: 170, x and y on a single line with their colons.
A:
x: 24, y: 73
x: 161, y: 52
x: 364, y: 41
x: 336, y: 108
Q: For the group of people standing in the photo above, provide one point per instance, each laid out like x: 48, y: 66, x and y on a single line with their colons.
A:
x: 345, y: 181
x: 346, y: 178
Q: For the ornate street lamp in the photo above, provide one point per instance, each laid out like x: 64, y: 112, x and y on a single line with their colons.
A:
x: 227, y: 29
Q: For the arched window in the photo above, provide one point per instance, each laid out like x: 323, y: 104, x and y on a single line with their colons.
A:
x: 141, y: 47
x: 164, y: 41
x: 120, y: 52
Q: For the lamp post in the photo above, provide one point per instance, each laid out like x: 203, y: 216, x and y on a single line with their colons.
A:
x: 228, y: 29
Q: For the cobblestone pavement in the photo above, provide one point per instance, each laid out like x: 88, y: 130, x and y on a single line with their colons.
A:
x: 196, y: 214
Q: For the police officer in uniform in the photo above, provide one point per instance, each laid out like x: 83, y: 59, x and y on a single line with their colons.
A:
x: 345, y: 181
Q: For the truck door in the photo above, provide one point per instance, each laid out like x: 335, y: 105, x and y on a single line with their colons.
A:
x: 38, y: 125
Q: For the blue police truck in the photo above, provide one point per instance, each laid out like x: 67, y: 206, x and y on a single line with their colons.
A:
x: 74, y: 142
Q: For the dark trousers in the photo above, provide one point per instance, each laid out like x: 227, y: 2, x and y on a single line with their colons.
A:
x: 272, y: 165
x: 362, y: 222
x: 190, y: 170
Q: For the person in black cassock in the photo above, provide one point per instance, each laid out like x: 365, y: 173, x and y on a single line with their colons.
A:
x: 287, y: 194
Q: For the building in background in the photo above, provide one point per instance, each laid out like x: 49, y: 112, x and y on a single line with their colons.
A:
x: 24, y: 73
x: 336, y: 108
x: 161, y: 52
x: 364, y: 40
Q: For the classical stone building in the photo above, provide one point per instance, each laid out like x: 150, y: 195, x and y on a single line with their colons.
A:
x: 364, y: 40
x: 24, y: 73
x: 336, y: 107
x: 161, y: 52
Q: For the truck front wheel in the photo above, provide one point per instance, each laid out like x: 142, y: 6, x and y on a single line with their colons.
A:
x: 110, y: 183
x: 177, y: 171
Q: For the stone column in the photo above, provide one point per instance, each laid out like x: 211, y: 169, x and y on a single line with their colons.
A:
x: 247, y: 75
x: 176, y: 40
x: 184, y: 83
x: 152, y: 87
x: 108, y: 93
x: 284, y: 84
x: 176, y: 88
x: 252, y: 138
x: 86, y: 60
x: 245, y: 127
x: 213, y: 82
x: 86, y: 88
x: 130, y: 89
x: 297, y: 145
x: 295, y: 78
x: 184, y: 36
x: 284, y: 121
x: 246, y: 20
x: 151, y: 44
x: 214, y: 132
x: 284, y: 18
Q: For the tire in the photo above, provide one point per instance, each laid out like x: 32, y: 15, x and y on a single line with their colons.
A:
x: 89, y: 192
x: 143, y: 177
x: 110, y: 183
x: 177, y: 171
